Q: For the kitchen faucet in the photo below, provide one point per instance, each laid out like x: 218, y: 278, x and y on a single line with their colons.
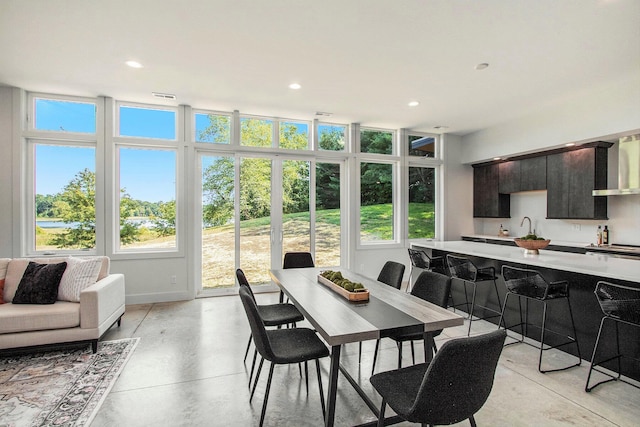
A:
x: 522, y: 222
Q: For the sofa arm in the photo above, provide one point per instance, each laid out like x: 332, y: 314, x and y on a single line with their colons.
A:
x: 99, y: 301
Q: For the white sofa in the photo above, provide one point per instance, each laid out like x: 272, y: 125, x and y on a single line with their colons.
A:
x: 101, y: 305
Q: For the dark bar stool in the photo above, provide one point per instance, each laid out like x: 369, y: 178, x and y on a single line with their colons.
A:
x: 530, y: 285
x: 620, y: 304
x: 422, y: 260
x: 463, y: 269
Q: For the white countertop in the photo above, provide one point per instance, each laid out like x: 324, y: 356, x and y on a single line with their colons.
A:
x: 591, y: 264
x: 510, y: 238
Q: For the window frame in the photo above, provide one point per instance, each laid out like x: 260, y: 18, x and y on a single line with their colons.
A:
x: 395, y: 151
x: 232, y: 128
x: 177, y: 121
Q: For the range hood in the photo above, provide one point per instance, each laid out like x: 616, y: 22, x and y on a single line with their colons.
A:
x: 628, y: 168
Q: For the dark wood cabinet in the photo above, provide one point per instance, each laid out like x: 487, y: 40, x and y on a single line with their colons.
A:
x: 509, y: 177
x: 487, y: 200
x: 533, y: 174
x: 571, y: 178
x: 523, y: 175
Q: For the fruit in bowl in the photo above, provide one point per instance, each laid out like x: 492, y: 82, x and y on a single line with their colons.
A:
x: 532, y: 243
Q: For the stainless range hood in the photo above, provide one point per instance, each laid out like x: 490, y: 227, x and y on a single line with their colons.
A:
x: 628, y: 168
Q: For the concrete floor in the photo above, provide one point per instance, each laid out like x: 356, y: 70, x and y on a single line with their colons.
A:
x: 188, y: 371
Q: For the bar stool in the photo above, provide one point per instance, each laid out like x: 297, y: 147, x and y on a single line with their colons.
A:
x: 620, y: 304
x: 530, y: 284
x: 463, y: 269
x: 422, y: 260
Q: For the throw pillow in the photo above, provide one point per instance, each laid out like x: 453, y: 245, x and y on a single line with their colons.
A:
x: 39, y: 283
x: 80, y: 273
x: 1, y: 291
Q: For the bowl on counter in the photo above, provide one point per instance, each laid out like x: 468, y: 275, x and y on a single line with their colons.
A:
x: 532, y: 246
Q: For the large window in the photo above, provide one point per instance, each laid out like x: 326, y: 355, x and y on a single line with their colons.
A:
x: 376, y: 202
x: 422, y: 145
x: 256, y: 132
x: 422, y: 207
x: 147, y: 215
x: 331, y: 137
x: 144, y: 122
x: 376, y: 141
x: 65, y: 197
x: 213, y: 128
x: 61, y: 152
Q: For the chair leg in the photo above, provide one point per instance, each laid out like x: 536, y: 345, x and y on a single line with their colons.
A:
x: 266, y: 394
x: 359, y: 352
x: 383, y: 406
x: 255, y: 381
x: 473, y: 304
x: 247, y: 350
x: 253, y: 365
x: 495, y: 286
x: 324, y: 411
x: 399, y: 344
x: 375, y: 356
x: 472, y: 421
x: 593, y: 358
x: 575, y: 333
x: 413, y: 353
x: 544, y: 319
x: 306, y: 376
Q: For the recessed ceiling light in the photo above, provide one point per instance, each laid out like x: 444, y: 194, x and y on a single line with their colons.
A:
x: 134, y: 64
x: 295, y: 86
x: 482, y: 66
x: 497, y: 158
x: 570, y: 144
x: 414, y: 104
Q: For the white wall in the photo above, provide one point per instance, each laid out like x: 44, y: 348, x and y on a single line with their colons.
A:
x: 6, y: 155
x: 458, y: 191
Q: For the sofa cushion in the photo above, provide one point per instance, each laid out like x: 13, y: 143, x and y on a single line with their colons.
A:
x: 80, y: 273
x: 28, y: 317
x: 39, y: 283
x: 15, y: 270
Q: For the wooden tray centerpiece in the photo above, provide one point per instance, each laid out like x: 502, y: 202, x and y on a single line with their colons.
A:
x: 532, y: 243
x: 348, y: 289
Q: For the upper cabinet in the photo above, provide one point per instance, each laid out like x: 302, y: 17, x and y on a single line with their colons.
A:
x: 571, y: 179
x: 488, y: 202
x: 568, y: 176
x: 523, y: 175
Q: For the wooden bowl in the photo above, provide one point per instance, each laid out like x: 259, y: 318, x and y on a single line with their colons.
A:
x: 532, y: 246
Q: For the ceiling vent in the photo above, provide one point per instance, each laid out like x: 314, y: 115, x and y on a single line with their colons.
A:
x: 164, y: 95
x: 323, y: 114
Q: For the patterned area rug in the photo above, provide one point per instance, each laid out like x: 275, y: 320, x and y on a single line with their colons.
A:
x: 60, y: 388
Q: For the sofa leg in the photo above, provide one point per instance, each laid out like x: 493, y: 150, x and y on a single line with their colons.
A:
x: 119, y: 321
x: 94, y: 346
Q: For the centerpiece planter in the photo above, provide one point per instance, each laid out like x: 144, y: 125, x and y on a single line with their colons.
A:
x: 355, y: 295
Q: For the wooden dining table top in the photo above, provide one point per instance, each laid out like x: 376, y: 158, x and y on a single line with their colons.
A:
x: 340, y: 321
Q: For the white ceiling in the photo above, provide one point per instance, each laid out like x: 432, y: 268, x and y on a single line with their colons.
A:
x: 362, y: 60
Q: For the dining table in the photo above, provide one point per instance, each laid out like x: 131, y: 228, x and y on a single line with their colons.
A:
x: 340, y: 321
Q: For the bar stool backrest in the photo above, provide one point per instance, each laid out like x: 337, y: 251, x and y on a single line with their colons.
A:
x: 618, y: 301
x: 525, y: 282
x: 462, y: 268
x: 419, y: 259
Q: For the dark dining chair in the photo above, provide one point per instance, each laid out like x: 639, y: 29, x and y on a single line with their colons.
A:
x: 296, y: 260
x: 450, y: 389
x: 434, y: 288
x: 281, y: 347
x: 391, y: 274
x: 271, y: 315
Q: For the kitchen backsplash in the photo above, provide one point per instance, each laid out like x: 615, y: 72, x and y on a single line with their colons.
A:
x: 623, y: 223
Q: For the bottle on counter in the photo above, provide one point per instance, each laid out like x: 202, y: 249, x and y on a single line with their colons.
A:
x: 605, y: 236
x: 501, y: 231
x: 599, y: 236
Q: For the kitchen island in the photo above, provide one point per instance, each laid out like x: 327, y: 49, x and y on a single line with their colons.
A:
x: 582, y: 271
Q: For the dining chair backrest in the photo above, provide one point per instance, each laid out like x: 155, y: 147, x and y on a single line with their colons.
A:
x: 391, y: 274
x: 244, y: 283
x: 459, y: 379
x: 433, y: 287
x: 462, y: 268
x: 258, y: 331
x: 298, y: 260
